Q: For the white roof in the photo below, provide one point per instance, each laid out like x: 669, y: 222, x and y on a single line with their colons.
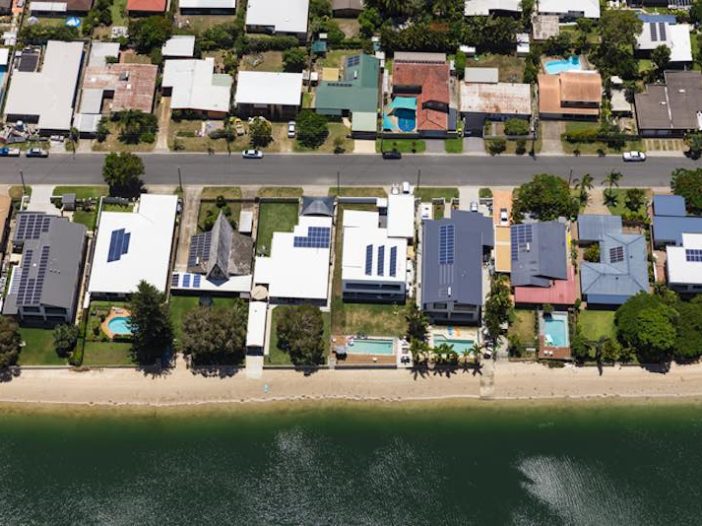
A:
x: 48, y: 7
x: 181, y: 46
x: 485, y: 7
x: 589, y: 8
x: 296, y: 272
x: 361, y: 231
x: 87, y: 122
x: 675, y: 36
x: 4, y: 56
x: 207, y: 4
x: 49, y: 93
x: 189, y: 281
x: 246, y: 218
x: 256, y: 325
x: 498, y: 99
x: 195, y: 86
x: 284, y: 16
x: 680, y: 270
x: 147, y: 253
x: 401, y: 215
x: 485, y: 75
x: 262, y: 87
x: 99, y: 51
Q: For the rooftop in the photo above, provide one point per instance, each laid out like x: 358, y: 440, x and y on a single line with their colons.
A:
x: 486, y: 7
x: 422, y: 75
x: 482, y: 75
x: 684, y: 263
x: 221, y: 252
x: 195, y: 86
x: 228, y: 5
x: 501, y: 98
x: 539, y: 254
x: 593, y: 227
x: 401, y: 214
x: 262, y: 87
x: 558, y: 93
x: 673, y: 105
x: 588, y: 8
x: 133, y: 85
x: 179, y: 46
x: 147, y: 6
x: 545, y: 27
x: 675, y: 37
x: 256, y: 324
x: 356, y: 91
x: 100, y: 51
x: 62, y: 6
x: 561, y: 291
x: 284, y: 16
x: 669, y: 205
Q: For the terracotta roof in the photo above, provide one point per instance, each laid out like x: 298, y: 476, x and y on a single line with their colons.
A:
x: 146, y: 6
x: 133, y: 84
x: 431, y: 83
x: 581, y: 87
x: 561, y: 292
x: 570, y: 87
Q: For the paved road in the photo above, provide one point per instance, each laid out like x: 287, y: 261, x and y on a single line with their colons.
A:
x: 354, y: 169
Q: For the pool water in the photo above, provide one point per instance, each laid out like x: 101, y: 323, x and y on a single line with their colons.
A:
x: 120, y: 326
x: 554, y: 67
x: 459, y: 346
x: 556, y: 330
x: 375, y: 346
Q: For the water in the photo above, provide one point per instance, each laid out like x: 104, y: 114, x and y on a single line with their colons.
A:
x: 120, y: 325
x: 556, y: 330
x: 372, y: 346
x: 337, y: 466
x: 554, y: 67
x: 459, y: 346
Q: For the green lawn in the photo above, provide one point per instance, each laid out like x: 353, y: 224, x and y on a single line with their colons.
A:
x: 357, y: 191
x: 274, y: 217
x: 454, y: 145
x: 39, y: 348
x: 336, y: 130
x: 619, y: 207
x: 89, y: 219
x: 82, y: 191
x: 209, y: 209
x: 591, y: 148
x: 335, y: 58
x: 277, y: 356
x: 228, y: 192
x: 524, y: 327
x: 280, y: 191
x: 597, y: 323
x: 114, y: 207
x: 426, y: 193
x: 107, y: 353
x: 401, y: 145
x: 119, y: 13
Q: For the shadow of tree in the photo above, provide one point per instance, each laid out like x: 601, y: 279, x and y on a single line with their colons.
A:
x: 10, y: 373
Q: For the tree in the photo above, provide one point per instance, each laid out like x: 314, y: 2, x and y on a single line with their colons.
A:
x: 122, y: 173
x: 102, y: 131
x: 312, y: 129
x: 618, y: 30
x: 592, y: 253
x: 646, y: 324
x: 147, y: 34
x: 216, y: 336
x: 546, y: 196
x: 260, y: 133
x: 696, y: 12
x: 150, y: 323
x: 369, y: 21
x: 694, y: 144
x: 300, y: 331
x: 294, y: 60
x: 612, y: 179
x: 498, y: 310
x: 460, y: 63
x: 73, y: 138
x: 583, y: 186
x: 688, y: 183
x: 65, y: 339
x: 10, y: 341
x: 660, y: 56
x: 497, y: 146
x: 136, y: 126
x: 417, y: 323
x: 688, y: 345
x: 635, y: 199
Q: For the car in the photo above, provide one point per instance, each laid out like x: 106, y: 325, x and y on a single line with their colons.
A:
x: 292, y: 131
x: 37, y: 152
x: 473, y: 206
x: 504, y: 217
x: 406, y: 188
x: 634, y: 157
x: 252, y: 154
x: 392, y: 154
x: 9, y: 152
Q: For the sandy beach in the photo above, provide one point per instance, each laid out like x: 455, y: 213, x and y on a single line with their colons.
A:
x: 506, y: 382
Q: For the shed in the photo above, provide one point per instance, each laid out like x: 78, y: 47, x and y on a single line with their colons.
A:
x: 482, y: 75
x: 318, y: 206
x: 593, y: 227
x: 246, y: 222
x: 69, y: 202
x: 256, y: 325
x: 669, y: 205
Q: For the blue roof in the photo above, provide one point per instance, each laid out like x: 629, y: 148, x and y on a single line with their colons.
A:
x: 669, y: 205
x: 669, y: 230
x: 592, y: 228
x: 652, y: 19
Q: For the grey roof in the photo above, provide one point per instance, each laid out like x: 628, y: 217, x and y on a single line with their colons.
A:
x: 670, y: 220
x: 673, y: 105
x: 592, y: 228
x: 317, y: 206
x: 31, y: 225
x: 542, y: 257
x: 482, y: 75
x: 51, y: 265
x: 221, y: 252
x: 461, y: 280
x: 347, y: 4
x: 622, y: 271
x: 669, y: 205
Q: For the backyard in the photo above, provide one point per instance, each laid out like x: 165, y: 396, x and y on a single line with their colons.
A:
x: 524, y: 327
x: 511, y: 68
x: 274, y: 217
x: 278, y: 356
x: 39, y: 347
x: 595, y: 324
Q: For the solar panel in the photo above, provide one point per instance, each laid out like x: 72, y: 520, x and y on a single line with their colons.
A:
x: 186, y: 281
x: 199, y: 251
x: 369, y: 260
x: 175, y: 279
x: 30, y: 225
x: 393, y: 261
x: 521, y: 237
x: 616, y: 254
x: 662, y: 32
x: 196, y: 281
x: 381, y: 260
x: 693, y: 255
x: 119, y: 245
x: 317, y: 237
x: 353, y: 61
x: 447, y: 241
x: 654, y: 34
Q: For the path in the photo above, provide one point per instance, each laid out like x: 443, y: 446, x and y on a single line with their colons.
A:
x: 551, y: 132
x: 188, y: 224
x: 41, y: 199
x: 595, y: 204
x: 164, y: 122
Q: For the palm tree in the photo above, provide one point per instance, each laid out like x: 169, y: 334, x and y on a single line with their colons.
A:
x: 584, y: 187
x: 611, y: 180
x: 477, y: 352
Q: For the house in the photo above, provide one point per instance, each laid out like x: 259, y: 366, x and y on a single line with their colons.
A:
x: 540, y: 269
x: 297, y: 269
x: 134, y: 247
x: 273, y: 95
x: 146, y: 7
x: 60, y: 7
x: 207, y: 7
x: 193, y: 85
x: 347, y: 8
x: 483, y: 98
x: 280, y: 17
x: 452, y: 267
x: 684, y: 265
x: 671, y: 109
x: 663, y: 30
x: 570, y: 95
x: 492, y: 7
x: 46, y: 97
x: 622, y: 271
x: 420, y: 96
x: 670, y: 221
x: 569, y: 10
x: 44, y: 287
x: 179, y: 46
x: 354, y: 95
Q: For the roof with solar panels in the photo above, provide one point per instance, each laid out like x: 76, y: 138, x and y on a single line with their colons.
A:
x: 135, y: 246
x: 684, y: 263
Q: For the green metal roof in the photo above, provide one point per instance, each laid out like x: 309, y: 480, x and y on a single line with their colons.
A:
x: 356, y: 92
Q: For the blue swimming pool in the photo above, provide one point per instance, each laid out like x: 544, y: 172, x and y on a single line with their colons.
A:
x: 554, y: 67
x: 379, y: 346
x: 556, y: 330
x: 119, y: 326
x: 459, y: 346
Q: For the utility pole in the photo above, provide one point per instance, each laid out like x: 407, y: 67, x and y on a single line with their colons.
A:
x: 24, y: 187
x: 180, y: 181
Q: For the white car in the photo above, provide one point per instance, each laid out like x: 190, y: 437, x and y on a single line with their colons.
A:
x: 504, y: 218
x: 252, y: 154
x: 634, y: 157
x: 292, y: 131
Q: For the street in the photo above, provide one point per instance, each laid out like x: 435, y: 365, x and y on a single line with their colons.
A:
x: 440, y: 170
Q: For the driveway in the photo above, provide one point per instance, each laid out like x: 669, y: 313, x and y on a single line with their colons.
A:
x: 474, y: 145
x: 551, y: 137
x: 435, y: 146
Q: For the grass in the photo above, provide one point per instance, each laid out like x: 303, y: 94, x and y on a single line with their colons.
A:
x: 114, y: 207
x: 89, y: 219
x: 183, y: 133
x: 357, y: 191
x: 113, y: 144
x: 209, y: 208
x: 597, y: 323
x: 267, y: 61
x: 82, y: 192
x: 454, y: 145
x: 619, y: 207
x: 511, y: 68
x: 228, y: 192
x: 280, y: 191
x: 307, y: 99
x: 39, y: 348
x: 335, y: 58
x: 16, y: 192
x: 426, y: 193
x: 107, y: 353
x: 278, y: 356
x: 524, y: 327
x: 274, y: 217
x: 591, y: 148
x: 119, y: 13
x: 336, y: 130
x: 401, y: 145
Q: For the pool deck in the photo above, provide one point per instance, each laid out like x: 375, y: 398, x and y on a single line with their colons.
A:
x: 357, y: 359
x: 549, y: 352
x: 115, y: 312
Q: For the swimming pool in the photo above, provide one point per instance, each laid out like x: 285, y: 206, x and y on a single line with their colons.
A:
x: 556, y: 330
x: 379, y: 346
x: 119, y: 326
x: 554, y: 67
x: 459, y: 346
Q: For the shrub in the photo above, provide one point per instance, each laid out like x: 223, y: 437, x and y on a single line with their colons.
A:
x: 496, y: 146
x: 485, y: 193
x: 592, y: 253
x: 516, y: 127
x: 312, y: 129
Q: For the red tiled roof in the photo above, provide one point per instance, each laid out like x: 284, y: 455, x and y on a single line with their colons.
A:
x: 146, y: 6
x: 561, y: 292
x: 433, y: 80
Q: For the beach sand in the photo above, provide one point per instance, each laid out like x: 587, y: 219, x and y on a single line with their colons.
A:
x: 500, y: 381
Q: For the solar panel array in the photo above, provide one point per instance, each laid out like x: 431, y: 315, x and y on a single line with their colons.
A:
x: 30, y: 289
x: 693, y: 255
x: 393, y: 261
x: 175, y: 279
x: 186, y: 280
x: 447, y: 244
x: 31, y: 225
x: 616, y: 254
x: 199, y: 248
x: 119, y: 245
x: 353, y: 61
x: 381, y: 260
x: 521, y: 236
x: 317, y: 237
x: 369, y: 260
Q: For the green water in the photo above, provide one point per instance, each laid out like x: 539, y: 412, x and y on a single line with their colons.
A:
x: 484, y: 466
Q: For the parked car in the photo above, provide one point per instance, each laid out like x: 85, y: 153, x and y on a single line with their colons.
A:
x: 252, y: 154
x: 406, y: 188
x: 292, y: 131
x: 392, y: 154
x: 473, y: 206
x: 504, y: 218
x: 634, y: 157
x: 9, y: 152
x: 37, y: 152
